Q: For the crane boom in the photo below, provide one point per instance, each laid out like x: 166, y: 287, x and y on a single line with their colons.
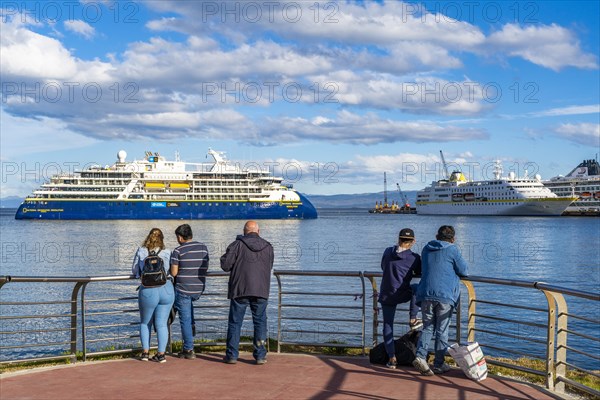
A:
x: 403, y: 196
x: 445, y: 166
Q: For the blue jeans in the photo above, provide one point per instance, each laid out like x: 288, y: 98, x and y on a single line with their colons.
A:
x: 155, y: 305
x: 237, y: 310
x: 185, y: 309
x: 436, y: 319
x: 389, y: 312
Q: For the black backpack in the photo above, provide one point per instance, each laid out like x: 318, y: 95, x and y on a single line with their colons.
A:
x: 404, y: 347
x: 153, y: 273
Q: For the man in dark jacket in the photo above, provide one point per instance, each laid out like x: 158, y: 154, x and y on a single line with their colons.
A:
x: 249, y: 259
x: 399, y: 264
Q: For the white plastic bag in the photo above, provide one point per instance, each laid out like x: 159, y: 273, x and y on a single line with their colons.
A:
x: 470, y: 359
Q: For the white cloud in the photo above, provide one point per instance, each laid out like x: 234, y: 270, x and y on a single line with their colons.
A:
x: 584, y: 133
x: 81, y: 28
x: 570, y: 110
x: 550, y: 46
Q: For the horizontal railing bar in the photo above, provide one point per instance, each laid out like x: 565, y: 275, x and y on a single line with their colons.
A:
x: 321, y: 344
x: 32, y: 303
x: 510, y: 320
x: 213, y: 306
x: 87, y: 300
x: 579, y: 386
x: 583, y: 335
x: 323, y: 294
x: 320, y: 319
x: 495, y: 303
x: 125, y: 311
x: 317, y: 273
x: 90, y: 327
x: 579, y: 352
x: 587, y: 371
x: 35, y: 345
x: 593, y: 321
x: 318, y: 306
x: 48, y: 358
x: 510, y: 335
x: 132, y: 336
x: 515, y: 367
x: 570, y: 292
x: 529, y: 355
x: 38, y: 331
x: 35, y: 316
x: 321, y: 332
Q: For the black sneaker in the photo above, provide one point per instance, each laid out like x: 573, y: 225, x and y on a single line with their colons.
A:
x: 160, y: 358
x: 187, y: 354
x: 144, y: 356
x: 228, y: 360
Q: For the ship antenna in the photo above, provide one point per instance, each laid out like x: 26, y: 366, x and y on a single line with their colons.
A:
x: 444, y: 164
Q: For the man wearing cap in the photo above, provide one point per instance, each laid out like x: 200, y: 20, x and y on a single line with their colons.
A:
x: 399, y: 265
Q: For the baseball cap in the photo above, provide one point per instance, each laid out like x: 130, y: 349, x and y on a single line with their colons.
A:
x: 406, y: 233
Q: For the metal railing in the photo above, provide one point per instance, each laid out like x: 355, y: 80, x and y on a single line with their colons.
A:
x: 481, y: 316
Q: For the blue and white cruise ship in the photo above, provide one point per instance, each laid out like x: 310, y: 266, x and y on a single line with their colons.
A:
x: 155, y: 188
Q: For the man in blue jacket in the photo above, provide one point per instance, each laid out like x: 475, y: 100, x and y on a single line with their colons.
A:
x: 249, y: 259
x: 438, y: 293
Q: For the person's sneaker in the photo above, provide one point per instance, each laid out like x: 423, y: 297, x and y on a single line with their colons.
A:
x: 159, y: 358
x: 261, y: 361
x: 442, y: 369
x: 187, y: 354
x: 422, y: 366
x: 144, y: 356
x: 391, y: 364
x: 228, y: 360
x: 415, y: 324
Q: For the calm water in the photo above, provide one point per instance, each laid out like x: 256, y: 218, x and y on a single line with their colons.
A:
x: 563, y: 251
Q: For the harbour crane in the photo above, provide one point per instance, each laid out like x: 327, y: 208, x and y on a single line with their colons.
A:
x: 403, y: 197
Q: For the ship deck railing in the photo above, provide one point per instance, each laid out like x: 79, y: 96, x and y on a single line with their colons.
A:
x: 72, y: 318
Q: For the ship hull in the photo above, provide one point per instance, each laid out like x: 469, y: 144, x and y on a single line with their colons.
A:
x: 157, y: 209
x: 529, y: 207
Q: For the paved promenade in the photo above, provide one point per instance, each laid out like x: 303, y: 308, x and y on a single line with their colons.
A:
x: 285, y: 376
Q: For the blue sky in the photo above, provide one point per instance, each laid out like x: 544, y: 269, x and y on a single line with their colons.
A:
x: 328, y: 94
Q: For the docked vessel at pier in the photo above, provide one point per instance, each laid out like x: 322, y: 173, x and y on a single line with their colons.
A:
x: 500, y: 196
x: 583, y: 183
x: 155, y: 188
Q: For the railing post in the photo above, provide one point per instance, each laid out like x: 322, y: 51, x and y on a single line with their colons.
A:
x: 375, y: 308
x: 83, y: 336
x: 471, y: 310
x: 557, y: 330
x: 364, y: 311
x: 278, y: 313
x: 74, y: 295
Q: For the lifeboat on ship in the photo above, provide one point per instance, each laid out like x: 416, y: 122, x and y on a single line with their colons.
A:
x: 597, y: 195
x: 586, y: 195
x: 469, y: 196
x: 457, y: 197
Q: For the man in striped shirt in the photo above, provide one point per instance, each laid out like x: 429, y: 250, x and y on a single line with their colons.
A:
x: 189, y: 263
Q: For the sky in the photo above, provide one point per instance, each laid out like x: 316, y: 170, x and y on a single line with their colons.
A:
x: 329, y: 95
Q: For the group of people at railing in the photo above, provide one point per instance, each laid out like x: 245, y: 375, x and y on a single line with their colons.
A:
x: 248, y: 259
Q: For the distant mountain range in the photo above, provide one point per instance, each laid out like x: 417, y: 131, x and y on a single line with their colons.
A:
x: 361, y: 200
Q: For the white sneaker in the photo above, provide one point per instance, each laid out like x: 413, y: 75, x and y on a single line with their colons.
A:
x: 441, y: 369
x: 422, y: 366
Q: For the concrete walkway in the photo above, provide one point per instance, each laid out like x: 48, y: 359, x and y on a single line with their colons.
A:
x: 285, y: 376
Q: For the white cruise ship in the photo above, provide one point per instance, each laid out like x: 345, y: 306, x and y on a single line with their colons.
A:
x: 583, y: 183
x: 156, y: 188
x: 501, y: 196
